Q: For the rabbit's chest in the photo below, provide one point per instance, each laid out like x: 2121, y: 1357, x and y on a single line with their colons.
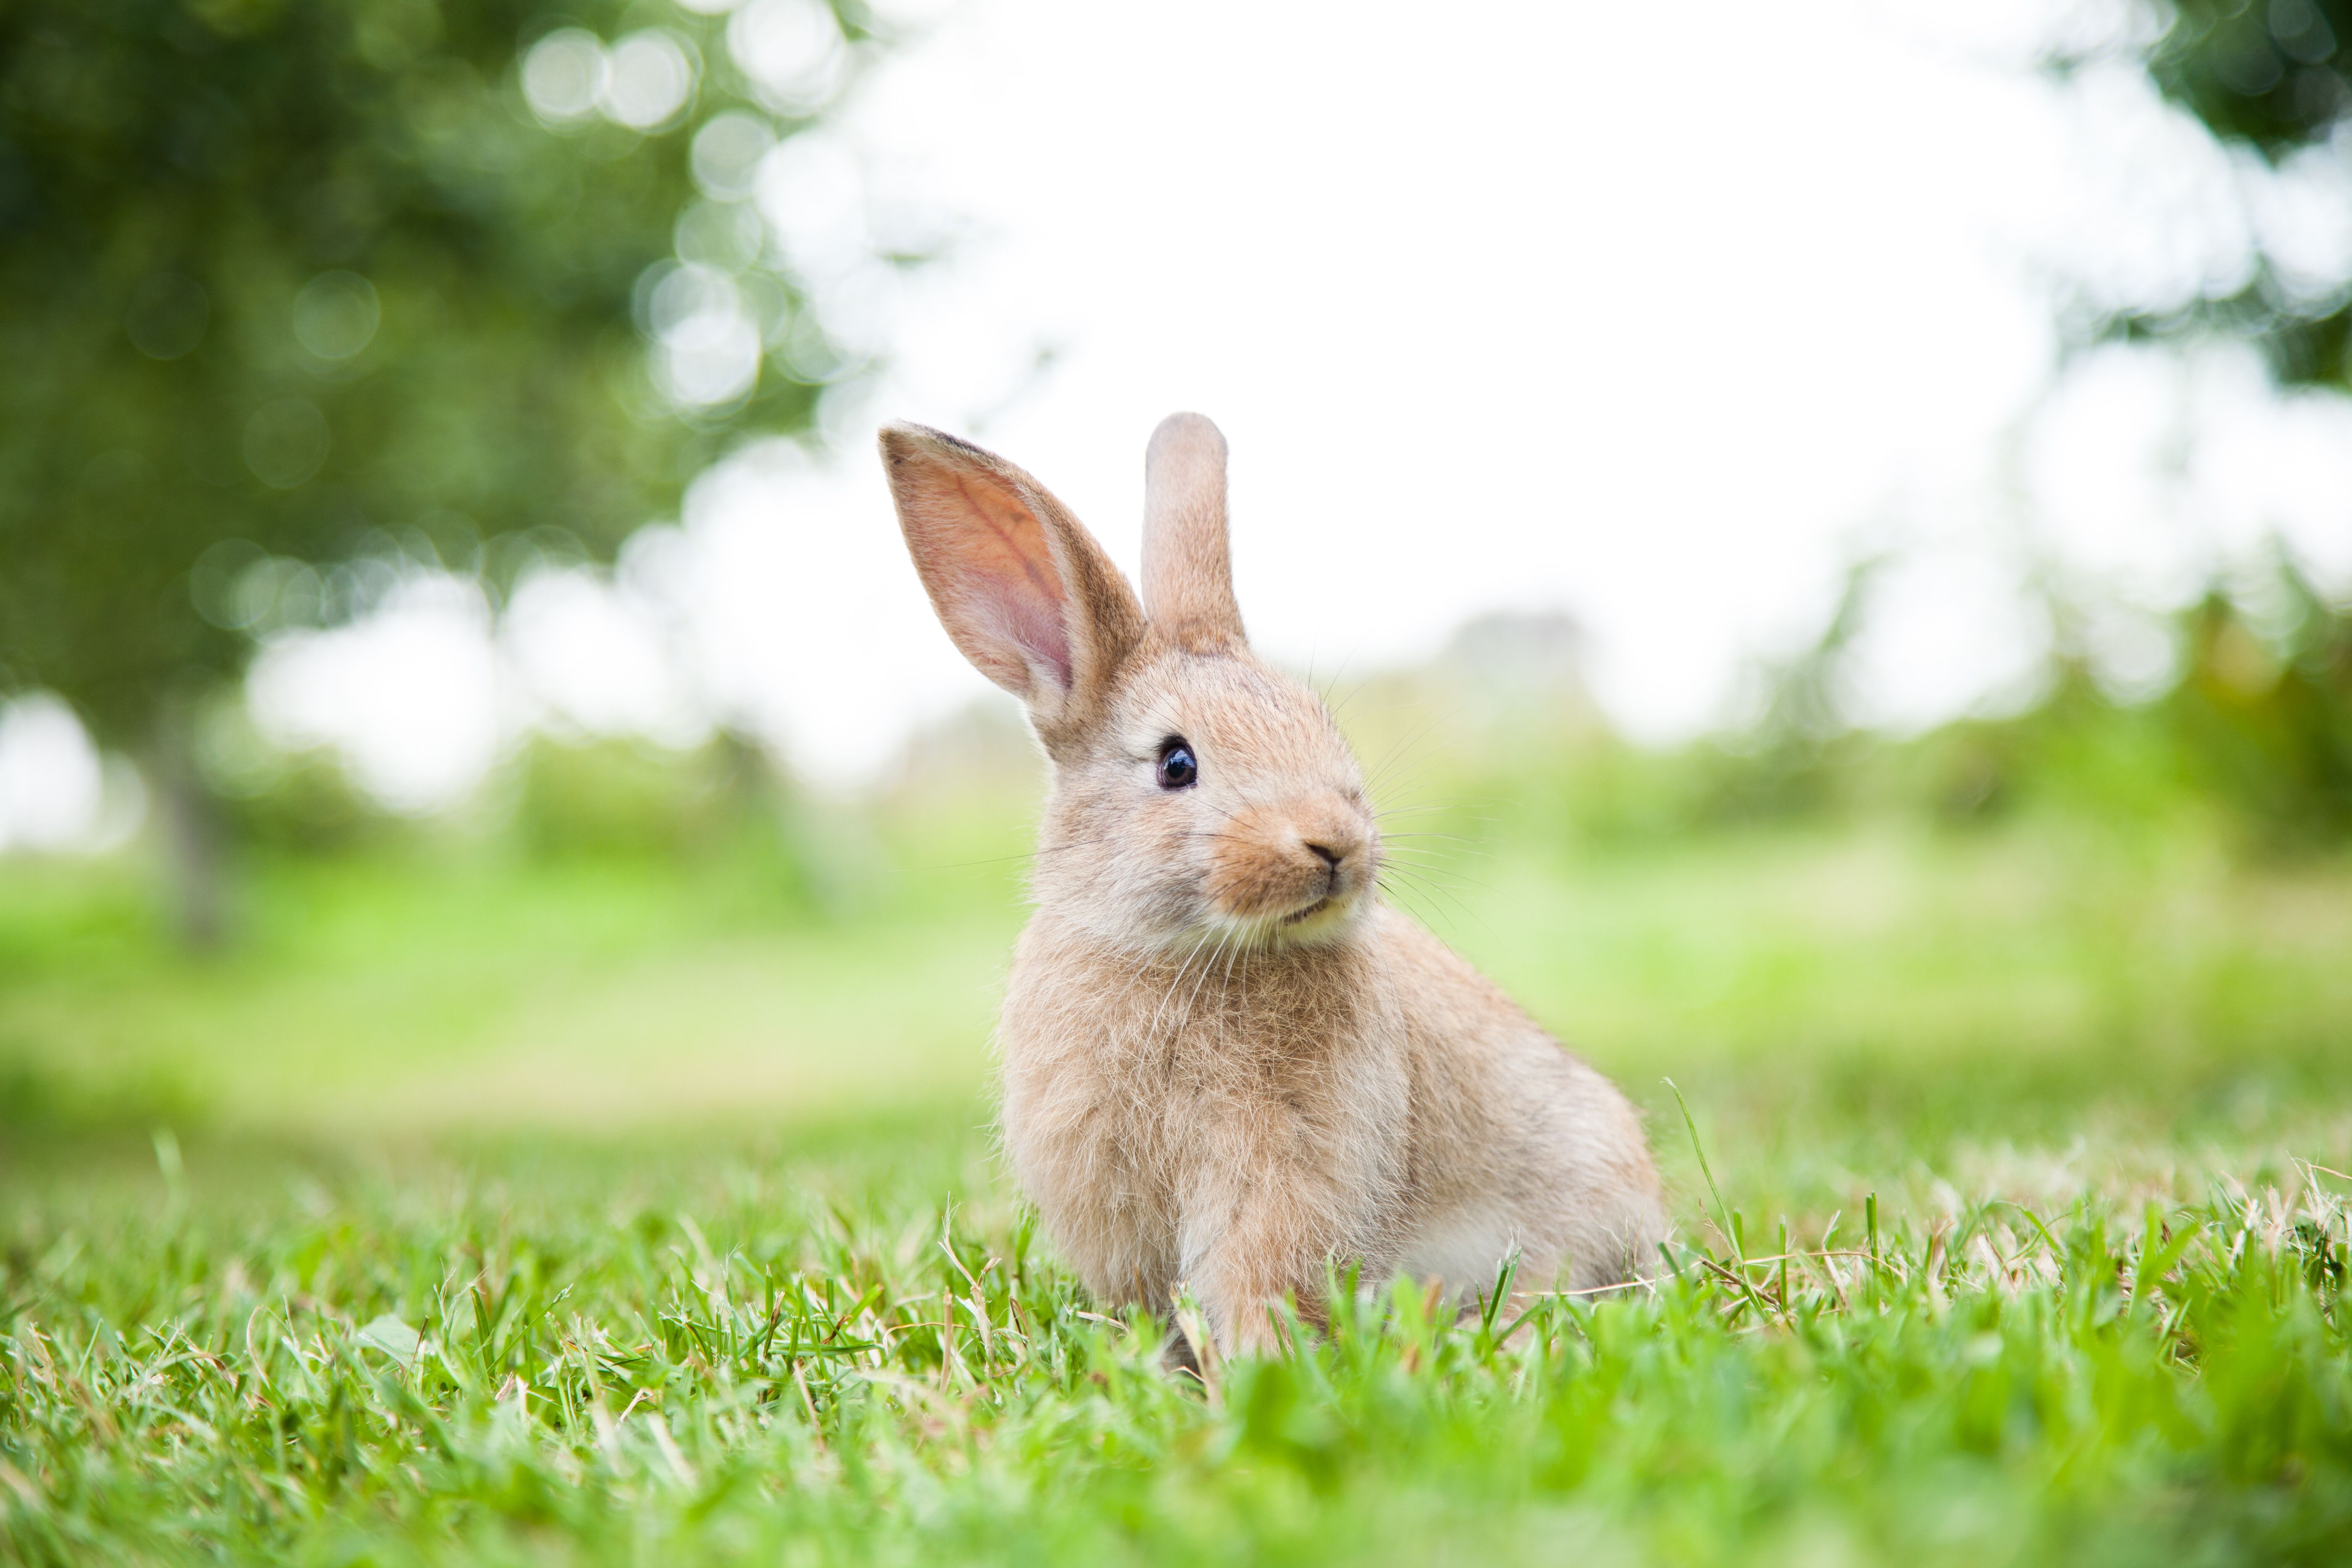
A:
x: 1124, y: 1119
x: 1131, y: 1084
x: 1129, y: 1108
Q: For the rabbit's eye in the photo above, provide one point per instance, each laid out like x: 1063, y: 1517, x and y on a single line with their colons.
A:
x: 1176, y: 768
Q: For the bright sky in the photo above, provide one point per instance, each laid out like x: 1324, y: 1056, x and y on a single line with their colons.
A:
x: 1658, y: 323
x: 1658, y: 316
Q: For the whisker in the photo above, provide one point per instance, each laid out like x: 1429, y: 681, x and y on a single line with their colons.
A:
x: 1224, y: 989
x: 1399, y: 752
x: 1412, y: 898
x: 1195, y: 996
x: 1428, y: 874
x: 1162, y: 1010
x: 1356, y: 691
x: 1447, y: 861
x: 1479, y: 808
x: 1439, y: 890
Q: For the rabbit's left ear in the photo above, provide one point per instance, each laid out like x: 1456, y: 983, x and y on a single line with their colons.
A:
x: 1187, y: 570
x: 1018, y: 583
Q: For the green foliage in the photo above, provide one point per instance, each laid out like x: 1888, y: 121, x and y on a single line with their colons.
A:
x: 2256, y: 731
x: 2254, y: 734
x: 2268, y: 720
x: 305, y: 276
x: 2272, y: 75
x: 619, y: 798
x: 308, y: 806
x: 2271, y: 72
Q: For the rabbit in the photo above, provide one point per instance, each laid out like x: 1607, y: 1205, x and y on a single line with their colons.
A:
x: 1227, y: 1067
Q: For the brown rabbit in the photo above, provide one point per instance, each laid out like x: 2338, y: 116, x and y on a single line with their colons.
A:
x: 1228, y: 1066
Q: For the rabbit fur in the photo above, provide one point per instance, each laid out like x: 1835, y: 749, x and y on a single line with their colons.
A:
x: 1228, y: 1067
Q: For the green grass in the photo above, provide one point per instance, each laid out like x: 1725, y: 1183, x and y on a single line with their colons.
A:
x: 486, y: 1211
x: 670, y: 1356
x: 413, y: 993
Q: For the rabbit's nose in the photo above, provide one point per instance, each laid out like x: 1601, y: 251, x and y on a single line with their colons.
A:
x: 1334, y: 844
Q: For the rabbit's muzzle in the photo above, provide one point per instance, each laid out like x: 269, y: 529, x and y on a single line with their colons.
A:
x: 1292, y: 862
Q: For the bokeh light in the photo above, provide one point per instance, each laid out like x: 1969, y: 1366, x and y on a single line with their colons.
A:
x: 335, y: 315
x: 407, y: 692
x: 727, y: 153
x: 793, y: 51
x: 50, y: 775
x: 285, y: 442
x: 565, y: 73
x: 648, y: 80
x: 168, y: 315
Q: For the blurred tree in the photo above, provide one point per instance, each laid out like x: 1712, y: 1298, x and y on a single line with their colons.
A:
x: 290, y: 281
x: 2256, y: 733
x: 2266, y: 719
x: 2275, y: 76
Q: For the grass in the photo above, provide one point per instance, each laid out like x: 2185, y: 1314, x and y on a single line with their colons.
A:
x: 415, y: 994
x: 696, y: 1357
x: 482, y: 1213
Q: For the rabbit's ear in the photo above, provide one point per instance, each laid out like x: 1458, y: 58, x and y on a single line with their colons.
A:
x: 1023, y: 588
x: 1187, y: 570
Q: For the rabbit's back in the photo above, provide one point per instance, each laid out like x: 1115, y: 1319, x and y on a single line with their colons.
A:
x: 1517, y: 1144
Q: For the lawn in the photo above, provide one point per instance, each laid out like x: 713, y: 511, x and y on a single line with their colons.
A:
x: 487, y: 1210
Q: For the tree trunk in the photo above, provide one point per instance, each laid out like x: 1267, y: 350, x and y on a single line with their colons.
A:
x: 192, y: 846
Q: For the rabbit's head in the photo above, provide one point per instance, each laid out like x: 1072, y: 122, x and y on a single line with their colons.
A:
x: 1197, y: 794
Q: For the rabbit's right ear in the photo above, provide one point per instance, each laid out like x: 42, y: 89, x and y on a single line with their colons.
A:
x: 1188, y: 568
x: 1019, y: 584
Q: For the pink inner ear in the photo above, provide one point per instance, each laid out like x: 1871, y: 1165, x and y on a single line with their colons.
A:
x: 1015, y: 567
x: 984, y: 555
x: 1037, y: 625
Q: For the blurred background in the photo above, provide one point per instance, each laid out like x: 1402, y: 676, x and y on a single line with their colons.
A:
x: 1838, y: 521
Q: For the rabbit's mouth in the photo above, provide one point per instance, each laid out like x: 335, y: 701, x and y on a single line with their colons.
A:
x: 1309, y: 912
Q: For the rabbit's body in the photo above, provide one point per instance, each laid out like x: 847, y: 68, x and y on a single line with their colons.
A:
x: 1227, y: 1066
x: 1233, y: 1124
